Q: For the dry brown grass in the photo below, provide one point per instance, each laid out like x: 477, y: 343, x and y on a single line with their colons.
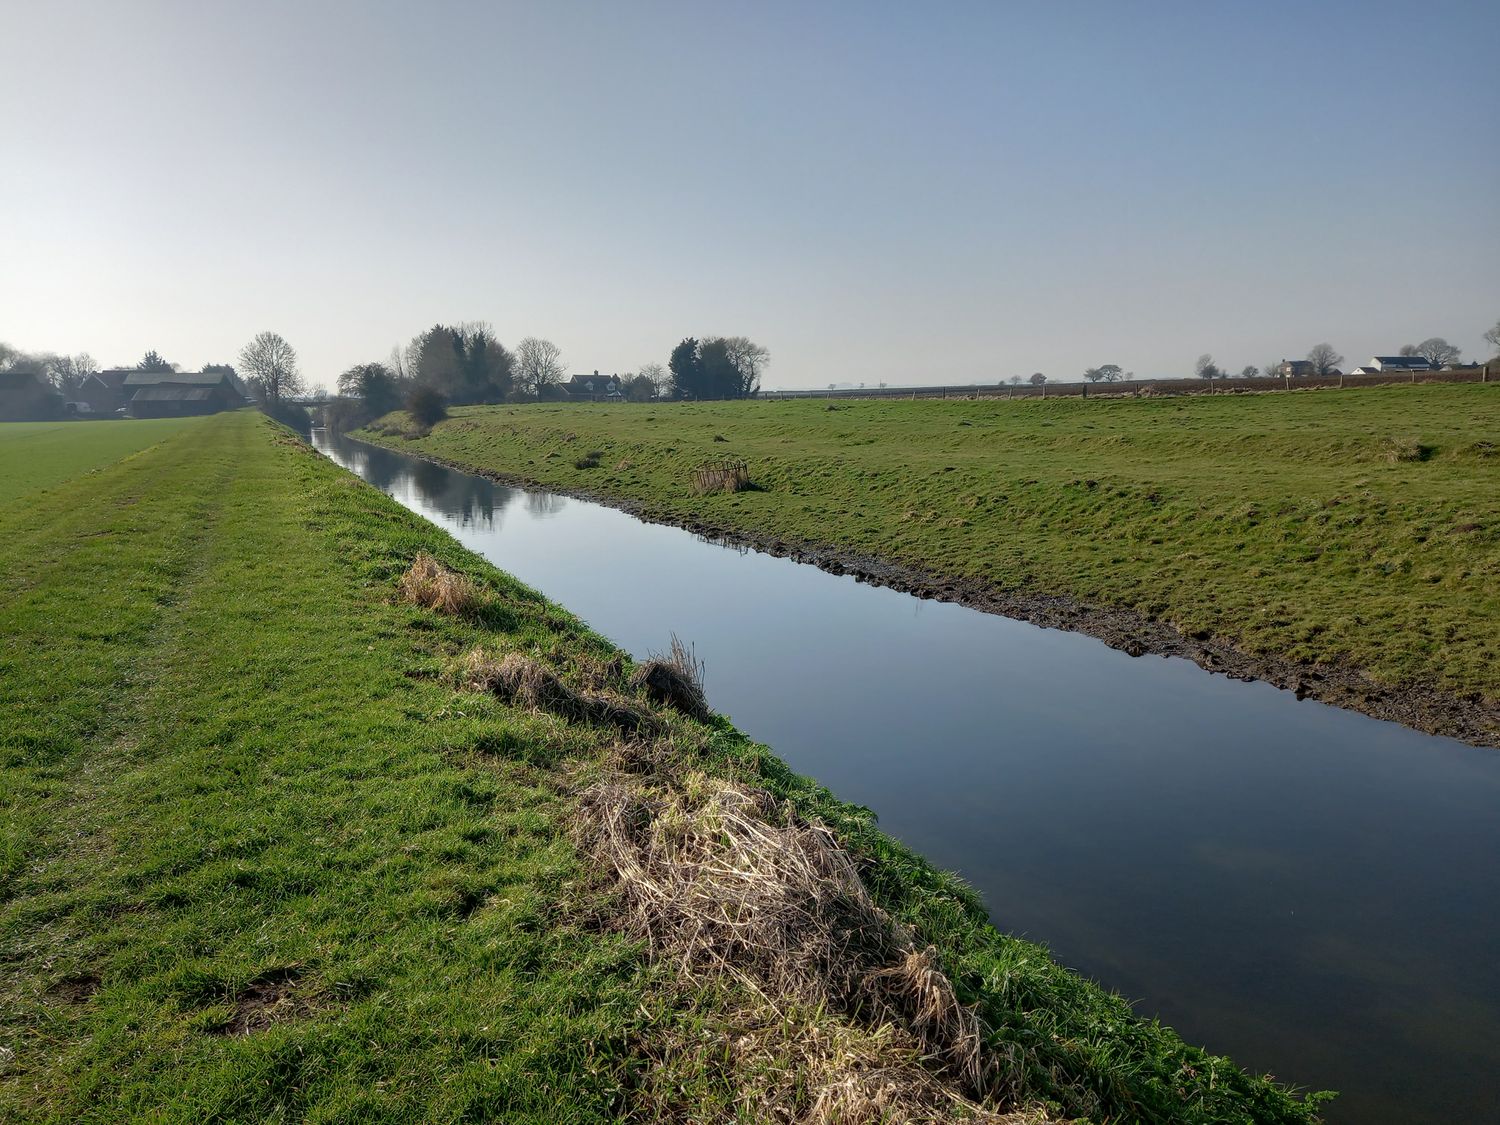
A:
x: 1397, y: 450
x: 430, y: 584
x: 673, y: 679
x: 720, y: 879
x: 527, y: 682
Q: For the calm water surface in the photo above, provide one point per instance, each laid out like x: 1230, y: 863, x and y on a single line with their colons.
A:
x: 1308, y: 890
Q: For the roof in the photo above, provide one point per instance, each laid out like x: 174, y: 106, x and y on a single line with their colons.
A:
x: 170, y: 393
x: 1418, y: 361
x: 23, y: 381
x: 113, y: 377
x: 176, y: 378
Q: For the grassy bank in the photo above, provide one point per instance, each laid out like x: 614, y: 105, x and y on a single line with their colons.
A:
x: 269, y: 855
x: 1352, y: 530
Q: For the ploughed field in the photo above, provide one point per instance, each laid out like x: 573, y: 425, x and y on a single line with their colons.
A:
x: 296, y: 830
x: 1359, y: 532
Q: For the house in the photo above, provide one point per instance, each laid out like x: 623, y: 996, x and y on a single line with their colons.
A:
x: 595, y: 387
x: 26, y: 396
x: 1400, y: 363
x: 175, y: 394
x: 1296, y: 369
x: 104, y: 391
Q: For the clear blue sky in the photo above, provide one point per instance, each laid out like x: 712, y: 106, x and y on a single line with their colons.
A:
x: 908, y: 193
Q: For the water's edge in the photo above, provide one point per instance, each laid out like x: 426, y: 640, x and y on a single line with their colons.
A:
x: 1423, y: 707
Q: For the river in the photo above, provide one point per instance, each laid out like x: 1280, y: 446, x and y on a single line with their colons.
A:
x: 1308, y: 890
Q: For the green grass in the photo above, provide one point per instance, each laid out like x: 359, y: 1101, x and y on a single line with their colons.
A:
x: 37, y: 455
x: 241, y: 794
x: 1357, y: 528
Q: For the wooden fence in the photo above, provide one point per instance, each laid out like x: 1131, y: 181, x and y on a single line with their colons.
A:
x: 1489, y: 373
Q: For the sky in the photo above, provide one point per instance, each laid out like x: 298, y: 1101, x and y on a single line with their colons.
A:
x: 903, y: 193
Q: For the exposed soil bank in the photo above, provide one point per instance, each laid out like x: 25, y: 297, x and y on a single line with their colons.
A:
x: 1470, y: 719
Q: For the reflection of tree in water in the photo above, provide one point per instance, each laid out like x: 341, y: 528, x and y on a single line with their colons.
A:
x: 469, y: 500
x: 380, y: 468
x: 544, y: 503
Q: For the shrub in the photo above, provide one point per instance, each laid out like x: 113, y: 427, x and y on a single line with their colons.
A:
x: 427, y: 406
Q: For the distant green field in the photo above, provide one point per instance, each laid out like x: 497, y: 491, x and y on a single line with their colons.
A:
x: 261, y: 859
x: 1358, y: 528
x: 36, y: 455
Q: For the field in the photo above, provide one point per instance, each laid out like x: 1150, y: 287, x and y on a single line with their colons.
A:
x: 1354, y: 533
x: 267, y: 856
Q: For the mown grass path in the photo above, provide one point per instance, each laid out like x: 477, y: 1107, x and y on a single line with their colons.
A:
x: 1355, y: 530
x: 261, y: 861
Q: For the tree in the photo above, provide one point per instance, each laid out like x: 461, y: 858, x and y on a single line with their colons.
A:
x: 1250, y: 371
x: 1437, y: 351
x: 1493, y: 336
x: 1015, y: 379
x: 1324, y: 359
x: 1038, y: 379
x: 374, y: 384
x: 1104, y: 373
x: 687, y: 369
x: 463, y: 362
x: 68, y: 372
x: 749, y: 361
x: 153, y: 362
x: 717, y: 367
x: 427, y: 406
x: 660, y: 379
x: 640, y: 388
x: 1206, y: 368
x: 538, y: 363
x: 270, y: 366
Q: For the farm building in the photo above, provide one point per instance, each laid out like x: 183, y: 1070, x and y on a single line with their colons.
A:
x: 1400, y: 363
x: 173, y: 394
x: 27, y: 397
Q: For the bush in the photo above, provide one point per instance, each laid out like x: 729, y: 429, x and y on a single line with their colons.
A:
x: 427, y: 406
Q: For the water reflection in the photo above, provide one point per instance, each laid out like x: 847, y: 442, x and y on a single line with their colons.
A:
x: 1306, y: 889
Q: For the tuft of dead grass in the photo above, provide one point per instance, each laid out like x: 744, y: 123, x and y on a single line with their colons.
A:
x: 527, y: 682
x: 1398, y: 450
x: 673, y: 679
x: 721, y: 879
x: 430, y: 584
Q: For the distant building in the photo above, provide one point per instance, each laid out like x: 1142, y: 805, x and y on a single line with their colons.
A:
x: 595, y: 387
x: 1295, y: 369
x: 175, y: 394
x: 26, y: 396
x: 104, y: 391
x: 1399, y: 363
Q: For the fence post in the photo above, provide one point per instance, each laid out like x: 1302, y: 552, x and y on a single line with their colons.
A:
x: 1341, y: 380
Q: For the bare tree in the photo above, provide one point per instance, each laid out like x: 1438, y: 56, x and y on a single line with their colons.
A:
x: 1493, y: 336
x: 1437, y: 351
x: 660, y: 378
x: 69, y: 371
x: 538, y: 363
x: 749, y: 359
x: 1038, y: 379
x: 1206, y: 368
x: 269, y: 364
x: 1015, y: 379
x: 1104, y: 373
x: 1324, y: 359
x: 1250, y: 371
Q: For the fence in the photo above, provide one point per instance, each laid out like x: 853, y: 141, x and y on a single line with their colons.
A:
x: 1488, y: 373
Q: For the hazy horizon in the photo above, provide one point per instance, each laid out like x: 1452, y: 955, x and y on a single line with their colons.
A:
x: 874, y: 193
